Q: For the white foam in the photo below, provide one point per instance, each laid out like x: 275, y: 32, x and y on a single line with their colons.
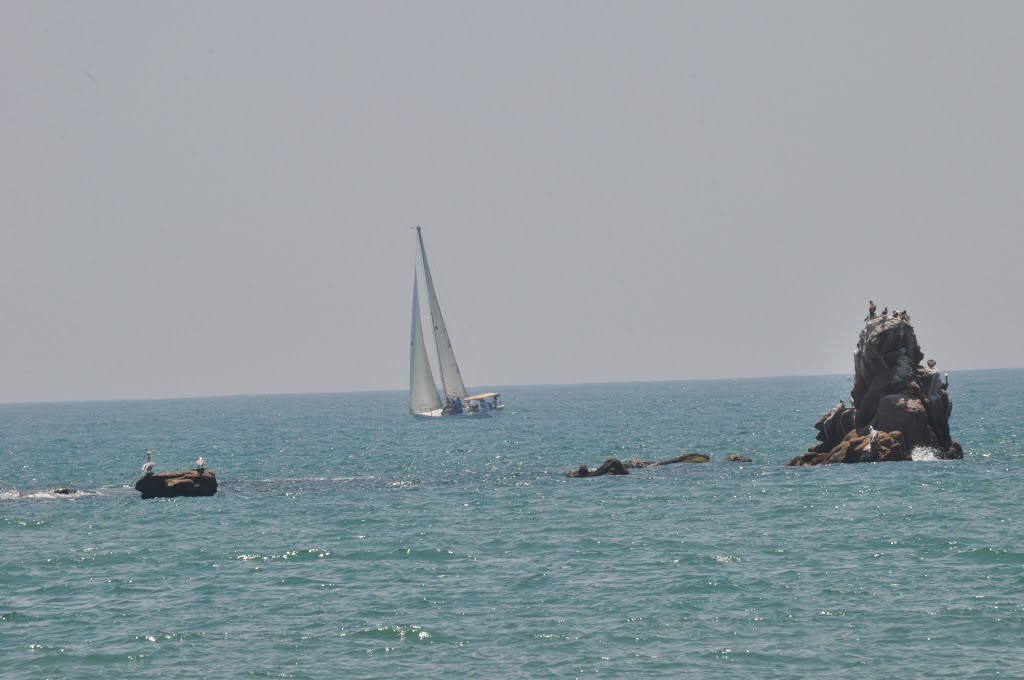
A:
x: 924, y: 454
x: 14, y: 494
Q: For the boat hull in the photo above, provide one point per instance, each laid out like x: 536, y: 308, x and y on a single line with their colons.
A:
x: 439, y: 413
x: 429, y: 414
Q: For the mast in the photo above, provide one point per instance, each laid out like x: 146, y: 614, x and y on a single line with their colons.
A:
x: 422, y: 390
x: 451, y: 377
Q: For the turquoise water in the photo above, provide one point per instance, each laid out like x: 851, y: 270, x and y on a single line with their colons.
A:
x: 351, y: 540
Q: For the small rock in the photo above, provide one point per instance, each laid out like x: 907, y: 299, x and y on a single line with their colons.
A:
x: 175, y: 484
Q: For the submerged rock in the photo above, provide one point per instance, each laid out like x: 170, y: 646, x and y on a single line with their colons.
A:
x: 174, y: 484
x: 685, y: 458
x: 737, y: 458
x: 898, y: 405
x: 612, y: 466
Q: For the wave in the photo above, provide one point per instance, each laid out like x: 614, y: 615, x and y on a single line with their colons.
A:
x: 46, y: 494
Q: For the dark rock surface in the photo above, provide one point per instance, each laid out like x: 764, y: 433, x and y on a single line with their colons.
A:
x: 174, y: 484
x: 833, y: 427
x: 897, y: 403
x: 737, y: 458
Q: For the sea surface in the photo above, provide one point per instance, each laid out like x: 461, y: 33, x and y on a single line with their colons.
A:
x: 349, y: 539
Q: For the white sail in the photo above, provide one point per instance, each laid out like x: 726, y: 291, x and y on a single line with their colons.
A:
x: 422, y: 390
x: 451, y: 377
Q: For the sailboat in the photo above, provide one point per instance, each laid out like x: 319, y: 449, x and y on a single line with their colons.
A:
x: 424, y: 399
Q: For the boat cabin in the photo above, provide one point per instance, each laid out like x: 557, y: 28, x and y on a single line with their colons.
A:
x: 482, y: 403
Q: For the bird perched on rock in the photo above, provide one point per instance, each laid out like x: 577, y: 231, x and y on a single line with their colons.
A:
x: 885, y: 311
x: 200, y: 464
x: 871, y: 309
x: 147, y: 467
x: 895, y: 314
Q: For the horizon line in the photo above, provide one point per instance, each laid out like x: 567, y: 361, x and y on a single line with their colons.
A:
x: 511, y: 385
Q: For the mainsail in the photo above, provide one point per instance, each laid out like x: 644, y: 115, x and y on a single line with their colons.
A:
x: 451, y: 377
x: 422, y: 390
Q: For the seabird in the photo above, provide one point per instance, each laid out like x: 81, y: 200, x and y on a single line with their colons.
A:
x: 871, y: 309
x: 147, y: 467
x: 885, y: 311
x: 200, y: 464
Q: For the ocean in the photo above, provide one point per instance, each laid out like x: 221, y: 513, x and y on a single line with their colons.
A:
x: 348, y: 539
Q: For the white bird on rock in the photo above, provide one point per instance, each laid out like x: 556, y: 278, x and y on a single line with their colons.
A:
x: 200, y: 464
x: 147, y: 467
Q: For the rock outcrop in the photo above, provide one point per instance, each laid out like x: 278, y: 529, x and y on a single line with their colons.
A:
x: 174, y: 484
x: 898, y: 405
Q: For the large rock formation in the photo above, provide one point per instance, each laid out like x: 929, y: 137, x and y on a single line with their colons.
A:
x: 898, y: 405
x: 181, y: 483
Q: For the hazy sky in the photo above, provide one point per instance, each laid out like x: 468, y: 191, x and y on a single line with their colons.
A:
x: 216, y: 197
